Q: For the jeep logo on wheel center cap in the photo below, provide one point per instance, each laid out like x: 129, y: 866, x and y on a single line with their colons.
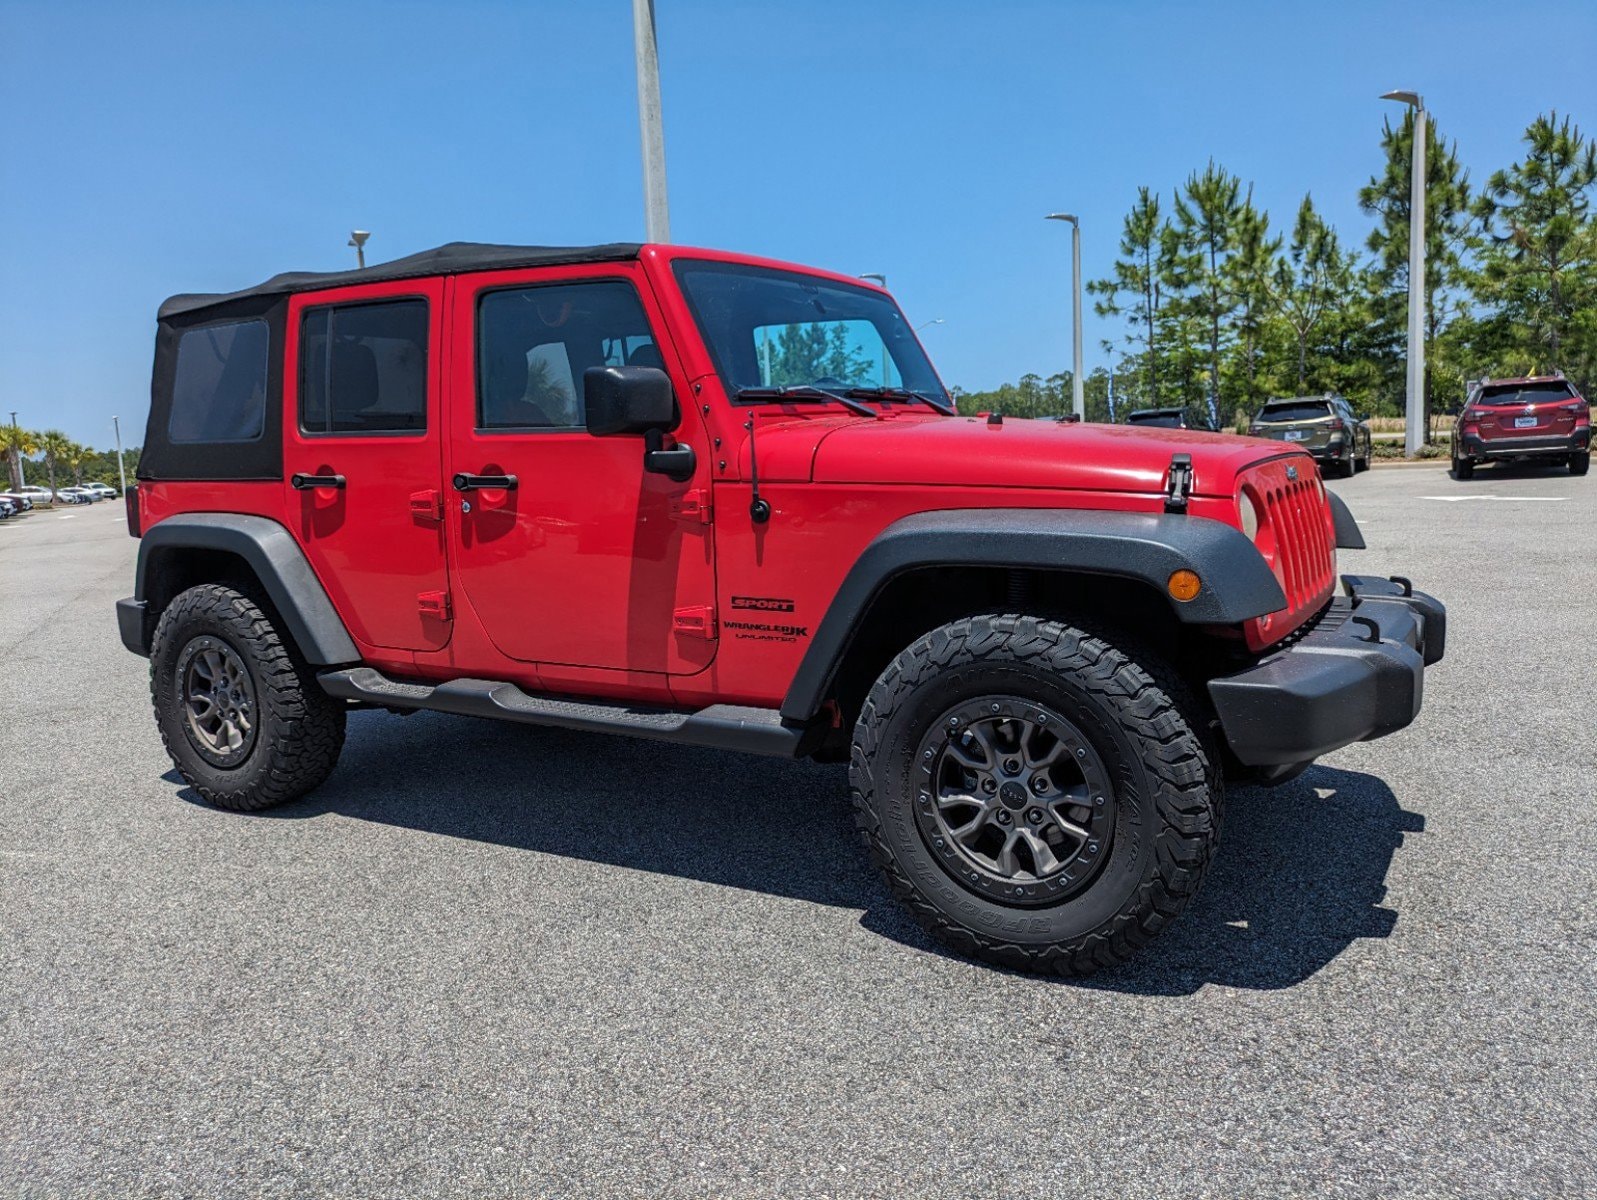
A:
x: 1013, y: 796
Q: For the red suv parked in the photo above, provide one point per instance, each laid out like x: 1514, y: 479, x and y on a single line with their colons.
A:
x: 712, y: 499
x: 1535, y: 418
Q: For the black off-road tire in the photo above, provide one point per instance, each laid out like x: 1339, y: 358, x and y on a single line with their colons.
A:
x: 1580, y: 463
x: 297, y: 729
x: 1153, y: 744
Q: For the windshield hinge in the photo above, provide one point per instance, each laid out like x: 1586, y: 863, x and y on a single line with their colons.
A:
x: 1178, y: 483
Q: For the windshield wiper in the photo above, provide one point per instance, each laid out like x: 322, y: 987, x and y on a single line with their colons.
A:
x: 806, y: 391
x: 891, y: 393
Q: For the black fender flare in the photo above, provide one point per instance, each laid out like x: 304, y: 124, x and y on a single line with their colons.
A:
x: 1237, y: 582
x: 1348, y: 535
x: 278, y: 562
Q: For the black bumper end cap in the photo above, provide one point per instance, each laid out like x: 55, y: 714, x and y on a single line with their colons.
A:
x: 130, y: 623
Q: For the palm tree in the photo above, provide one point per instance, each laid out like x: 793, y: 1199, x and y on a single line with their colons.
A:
x: 75, y: 457
x: 17, y: 443
x: 57, y: 446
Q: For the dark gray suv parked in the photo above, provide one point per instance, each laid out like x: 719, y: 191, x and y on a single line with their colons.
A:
x: 1325, y: 426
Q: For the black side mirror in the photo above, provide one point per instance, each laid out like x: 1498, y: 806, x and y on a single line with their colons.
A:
x: 628, y: 400
x: 638, y: 400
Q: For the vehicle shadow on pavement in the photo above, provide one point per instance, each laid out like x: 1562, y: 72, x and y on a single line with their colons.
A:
x: 1300, y: 874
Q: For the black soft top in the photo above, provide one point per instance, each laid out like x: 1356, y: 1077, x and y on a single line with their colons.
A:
x: 444, y: 260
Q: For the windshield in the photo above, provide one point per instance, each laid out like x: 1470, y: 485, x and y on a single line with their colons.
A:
x: 1524, y: 393
x: 768, y: 328
x: 1296, y: 410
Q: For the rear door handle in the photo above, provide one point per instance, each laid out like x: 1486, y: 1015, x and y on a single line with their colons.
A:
x: 304, y: 483
x: 469, y: 483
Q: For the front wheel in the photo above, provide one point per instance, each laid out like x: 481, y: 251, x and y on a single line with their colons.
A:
x: 240, y: 711
x: 1036, y: 797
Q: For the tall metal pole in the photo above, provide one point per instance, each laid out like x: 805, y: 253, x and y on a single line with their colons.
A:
x: 1077, y: 383
x: 1414, y: 431
x: 657, y: 216
x: 121, y: 467
x: 22, y: 479
x: 1078, y: 397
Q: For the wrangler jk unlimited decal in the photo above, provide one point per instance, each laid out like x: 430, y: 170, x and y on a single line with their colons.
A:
x: 767, y: 633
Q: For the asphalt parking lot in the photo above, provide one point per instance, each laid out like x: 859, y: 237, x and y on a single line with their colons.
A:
x: 486, y: 960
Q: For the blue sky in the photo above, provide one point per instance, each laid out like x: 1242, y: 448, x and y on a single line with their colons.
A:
x: 153, y: 148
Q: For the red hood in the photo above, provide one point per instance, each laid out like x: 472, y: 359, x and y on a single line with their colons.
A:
x: 923, y: 448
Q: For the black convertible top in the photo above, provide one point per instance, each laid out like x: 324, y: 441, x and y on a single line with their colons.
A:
x: 444, y: 260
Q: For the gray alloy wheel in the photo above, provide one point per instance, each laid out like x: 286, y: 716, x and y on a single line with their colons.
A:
x: 218, y: 701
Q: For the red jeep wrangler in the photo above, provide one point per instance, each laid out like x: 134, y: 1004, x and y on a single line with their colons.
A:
x: 712, y: 499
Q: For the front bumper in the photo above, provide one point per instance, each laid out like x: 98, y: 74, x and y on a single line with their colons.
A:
x: 1358, y: 672
x: 1486, y: 449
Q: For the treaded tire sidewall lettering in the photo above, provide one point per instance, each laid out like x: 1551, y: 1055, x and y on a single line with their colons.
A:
x: 1164, y: 820
x: 300, y: 730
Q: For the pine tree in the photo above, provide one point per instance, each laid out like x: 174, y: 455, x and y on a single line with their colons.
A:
x: 1133, y: 290
x: 1539, y: 266
x: 1207, y: 211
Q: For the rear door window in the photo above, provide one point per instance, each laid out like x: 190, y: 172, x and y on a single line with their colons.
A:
x: 219, y: 387
x: 363, y: 368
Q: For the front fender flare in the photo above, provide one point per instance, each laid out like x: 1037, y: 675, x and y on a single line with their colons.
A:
x: 277, y: 561
x: 1237, y: 583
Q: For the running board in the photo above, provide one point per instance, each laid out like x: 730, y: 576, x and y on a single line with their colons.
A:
x: 724, y: 726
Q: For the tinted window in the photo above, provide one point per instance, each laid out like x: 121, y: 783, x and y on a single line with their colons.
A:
x: 1526, y: 393
x: 219, y: 389
x: 1166, y: 419
x: 363, y: 368
x: 1296, y: 410
x: 535, y: 343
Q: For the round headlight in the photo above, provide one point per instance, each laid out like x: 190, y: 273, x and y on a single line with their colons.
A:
x: 1249, y: 515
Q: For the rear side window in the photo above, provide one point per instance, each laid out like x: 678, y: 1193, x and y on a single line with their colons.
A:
x: 1305, y: 410
x: 1526, y: 393
x: 535, y: 343
x: 219, y: 388
x: 363, y: 368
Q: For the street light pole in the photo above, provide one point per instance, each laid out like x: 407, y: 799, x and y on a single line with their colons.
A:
x: 121, y: 467
x: 1078, y: 402
x: 657, y: 217
x: 925, y: 324
x: 22, y: 479
x: 357, y: 239
x: 1414, y: 406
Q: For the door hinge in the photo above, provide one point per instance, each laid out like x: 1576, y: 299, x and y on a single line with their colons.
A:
x: 692, y: 506
x: 697, y: 620
x: 427, y: 505
x: 434, y: 604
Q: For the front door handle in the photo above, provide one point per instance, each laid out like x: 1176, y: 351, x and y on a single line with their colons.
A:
x: 469, y: 483
x: 303, y: 483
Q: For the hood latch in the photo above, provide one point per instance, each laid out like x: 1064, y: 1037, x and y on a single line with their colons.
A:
x: 1178, y: 483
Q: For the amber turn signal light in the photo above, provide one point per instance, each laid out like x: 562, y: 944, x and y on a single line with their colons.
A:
x: 1185, y: 585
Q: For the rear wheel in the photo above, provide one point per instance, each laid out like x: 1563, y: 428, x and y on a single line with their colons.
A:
x: 1462, y: 467
x: 1580, y: 463
x: 1035, y: 797
x: 239, y: 710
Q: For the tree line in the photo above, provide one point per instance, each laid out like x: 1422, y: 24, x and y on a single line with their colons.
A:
x: 1219, y: 310
x: 53, y: 459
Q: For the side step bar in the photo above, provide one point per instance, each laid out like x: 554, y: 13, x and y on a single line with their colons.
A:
x: 724, y: 726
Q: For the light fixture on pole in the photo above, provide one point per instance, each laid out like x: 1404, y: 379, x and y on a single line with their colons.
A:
x: 357, y: 239
x: 875, y: 277
x: 1414, y: 402
x: 121, y: 468
x: 1078, y: 401
x: 924, y: 324
x: 656, y: 212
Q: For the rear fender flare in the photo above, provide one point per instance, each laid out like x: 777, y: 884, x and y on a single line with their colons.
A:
x: 1237, y: 582
x: 277, y: 561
